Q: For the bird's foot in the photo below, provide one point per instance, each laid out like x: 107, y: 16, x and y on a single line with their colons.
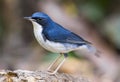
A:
x: 52, y: 73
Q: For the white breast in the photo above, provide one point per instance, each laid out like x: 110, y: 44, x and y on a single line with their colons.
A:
x: 49, y: 45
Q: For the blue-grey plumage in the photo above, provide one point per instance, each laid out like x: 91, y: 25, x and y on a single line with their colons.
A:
x: 55, y: 37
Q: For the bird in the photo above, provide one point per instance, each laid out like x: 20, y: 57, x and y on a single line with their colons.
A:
x: 56, y: 38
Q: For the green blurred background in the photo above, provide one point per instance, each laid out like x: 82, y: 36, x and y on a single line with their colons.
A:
x: 97, y: 21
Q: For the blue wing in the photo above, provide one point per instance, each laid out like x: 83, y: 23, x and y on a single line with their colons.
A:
x: 57, y: 33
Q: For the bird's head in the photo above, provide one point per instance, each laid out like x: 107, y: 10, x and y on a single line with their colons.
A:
x: 40, y: 18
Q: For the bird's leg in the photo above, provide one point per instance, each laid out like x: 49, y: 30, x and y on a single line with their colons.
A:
x: 57, y: 68
x: 53, y: 63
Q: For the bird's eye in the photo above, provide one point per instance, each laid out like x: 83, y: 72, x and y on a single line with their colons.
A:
x: 38, y: 19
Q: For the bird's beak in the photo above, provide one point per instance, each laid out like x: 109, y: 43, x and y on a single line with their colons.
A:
x: 29, y: 18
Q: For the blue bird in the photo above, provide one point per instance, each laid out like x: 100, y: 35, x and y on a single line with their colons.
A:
x: 55, y: 38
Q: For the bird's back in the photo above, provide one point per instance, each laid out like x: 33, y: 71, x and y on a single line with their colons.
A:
x: 57, y: 33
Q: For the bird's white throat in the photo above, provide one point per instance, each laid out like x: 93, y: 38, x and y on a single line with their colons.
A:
x: 37, y: 27
x: 38, y: 32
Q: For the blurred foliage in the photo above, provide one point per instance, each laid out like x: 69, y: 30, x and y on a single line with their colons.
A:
x: 92, y: 9
x: 112, y: 29
x: 1, y: 29
x: 51, y: 56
